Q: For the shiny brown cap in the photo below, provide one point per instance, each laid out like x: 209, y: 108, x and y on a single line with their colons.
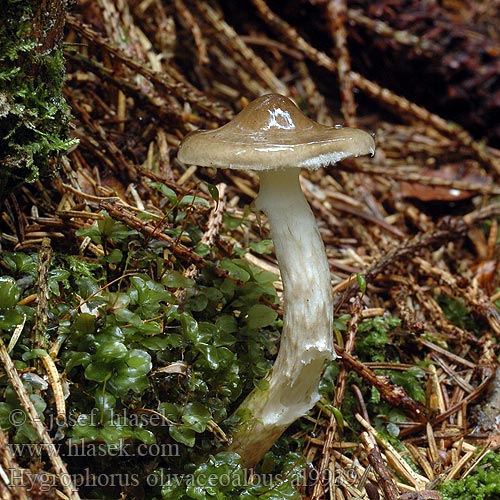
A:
x: 272, y: 133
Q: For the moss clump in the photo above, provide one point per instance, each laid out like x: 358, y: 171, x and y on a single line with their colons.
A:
x: 482, y: 484
x: 33, y: 112
x: 156, y: 363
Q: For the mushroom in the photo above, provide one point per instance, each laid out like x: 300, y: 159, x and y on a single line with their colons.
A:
x: 272, y: 136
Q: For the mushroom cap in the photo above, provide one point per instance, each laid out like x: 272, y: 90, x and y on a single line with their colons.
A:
x: 271, y: 133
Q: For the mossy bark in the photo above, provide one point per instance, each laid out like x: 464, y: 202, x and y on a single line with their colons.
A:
x: 33, y: 112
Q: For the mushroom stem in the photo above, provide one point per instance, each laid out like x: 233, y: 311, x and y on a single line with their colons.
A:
x: 306, y: 339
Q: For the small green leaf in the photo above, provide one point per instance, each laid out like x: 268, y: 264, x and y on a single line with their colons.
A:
x: 189, y: 327
x: 84, y: 429
x: 98, y: 372
x: 175, y: 279
x: 227, y: 324
x: 105, y: 403
x: 339, y: 418
x: 34, y: 354
x: 86, y: 286
x: 169, y: 410
x: 111, y: 351
x: 260, y: 316
x: 183, y: 435
x: 77, y: 359
x: 200, y: 490
x: 232, y: 222
x: 9, y: 418
x: 156, y: 343
x: 190, y: 199
x: 56, y: 277
x: 340, y: 323
x: 196, y: 416
x: 148, y: 328
x: 10, y: 319
x: 114, y: 435
x: 210, y: 354
x: 235, y: 271
x: 20, y: 262
x: 202, y: 249
x: 115, y: 256
x: 84, y: 324
x: 393, y: 429
x: 9, y: 292
x: 126, y: 316
x: 144, y: 435
x: 91, y: 232
x: 263, y: 247
x: 361, y: 283
x: 113, y: 230
x: 123, y: 382
x: 214, y: 192
x: 138, y: 362
x: 165, y: 191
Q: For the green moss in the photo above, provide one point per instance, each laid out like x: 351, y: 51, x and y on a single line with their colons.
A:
x: 373, y: 339
x: 455, y: 310
x: 222, y: 477
x: 156, y: 362
x: 33, y: 113
x: 482, y: 484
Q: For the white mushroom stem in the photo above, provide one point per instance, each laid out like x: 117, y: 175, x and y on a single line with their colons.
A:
x: 306, y: 339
